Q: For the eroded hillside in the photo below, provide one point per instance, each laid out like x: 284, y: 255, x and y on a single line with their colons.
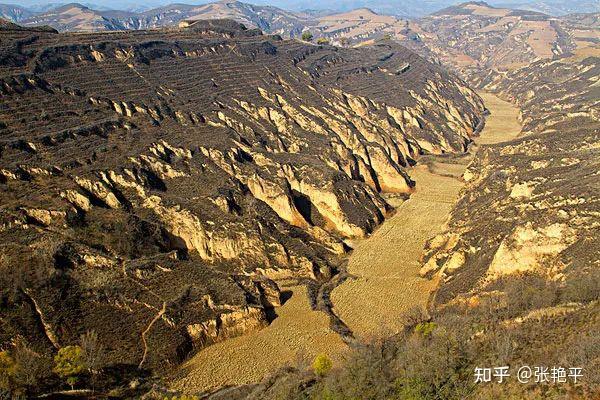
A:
x: 474, y: 38
x: 516, y: 270
x: 153, y: 183
x: 542, y: 190
x: 521, y: 253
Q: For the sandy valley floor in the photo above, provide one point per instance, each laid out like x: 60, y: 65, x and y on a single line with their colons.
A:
x: 386, y: 265
x: 385, y: 283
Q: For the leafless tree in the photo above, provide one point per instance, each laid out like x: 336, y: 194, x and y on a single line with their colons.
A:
x: 31, y: 367
x: 93, y: 352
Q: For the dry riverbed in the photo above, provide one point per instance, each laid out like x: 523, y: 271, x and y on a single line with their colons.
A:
x: 386, y: 265
x: 297, y: 334
x: 384, y: 283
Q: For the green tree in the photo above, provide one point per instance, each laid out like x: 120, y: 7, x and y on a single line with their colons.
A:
x: 68, y: 363
x: 425, y: 328
x: 322, y: 365
x: 322, y: 40
x: 307, y: 36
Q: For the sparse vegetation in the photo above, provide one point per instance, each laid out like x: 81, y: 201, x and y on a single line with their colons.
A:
x: 582, y: 287
x: 435, y: 358
x: 126, y: 211
x: 529, y: 292
x: 8, y: 369
x: 31, y: 367
x: 307, y: 36
x: 92, y: 352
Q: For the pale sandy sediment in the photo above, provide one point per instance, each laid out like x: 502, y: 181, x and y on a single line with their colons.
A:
x: 384, y: 286
x: 298, y: 332
x: 386, y: 266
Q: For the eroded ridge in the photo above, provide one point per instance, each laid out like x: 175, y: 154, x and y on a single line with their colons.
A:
x: 520, y: 254
x: 153, y: 184
x: 388, y: 277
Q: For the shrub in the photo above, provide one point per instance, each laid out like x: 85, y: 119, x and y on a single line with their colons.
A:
x: 322, y: 41
x: 307, y: 36
x: 68, y: 363
x: 425, y: 328
x: 439, y: 367
x: 31, y: 367
x: 324, y: 393
x: 7, y: 370
x: 529, y: 292
x: 582, y: 287
x: 368, y: 373
x: 322, y: 365
x: 414, y: 316
x: 584, y: 352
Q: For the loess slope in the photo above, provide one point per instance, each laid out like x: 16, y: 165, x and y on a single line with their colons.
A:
x: 153, y: 183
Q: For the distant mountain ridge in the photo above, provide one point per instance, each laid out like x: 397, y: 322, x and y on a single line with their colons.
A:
x: 356, y: 27
x: 405, y: 9
x: 78, y: 17
x: 14, y: 13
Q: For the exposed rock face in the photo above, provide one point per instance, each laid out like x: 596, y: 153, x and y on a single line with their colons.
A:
x: 150, y: 181
x: 530, y: 205
x: 528, y: 249
x: 227, y: 325
x: 519, y: 213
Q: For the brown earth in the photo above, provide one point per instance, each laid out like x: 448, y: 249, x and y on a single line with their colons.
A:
x: 387, y: 264
x: 387, y: 283
x: 297, y: 334
x: 152, y: 181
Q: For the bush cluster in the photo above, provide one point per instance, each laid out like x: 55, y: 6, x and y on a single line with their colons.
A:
x: 23, y: 371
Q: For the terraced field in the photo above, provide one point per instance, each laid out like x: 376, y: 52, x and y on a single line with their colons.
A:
x: 167, y: 179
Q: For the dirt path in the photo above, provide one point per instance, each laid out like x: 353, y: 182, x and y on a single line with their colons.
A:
x: 386, y: 284
x: 386, y: 265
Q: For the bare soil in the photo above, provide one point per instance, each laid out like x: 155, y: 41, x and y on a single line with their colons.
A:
x: 385, y: 266
x: 384, y: 281
x: 298, y: 334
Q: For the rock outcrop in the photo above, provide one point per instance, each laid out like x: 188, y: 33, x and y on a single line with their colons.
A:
x: 530, y: 205
x: 152, y: 182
